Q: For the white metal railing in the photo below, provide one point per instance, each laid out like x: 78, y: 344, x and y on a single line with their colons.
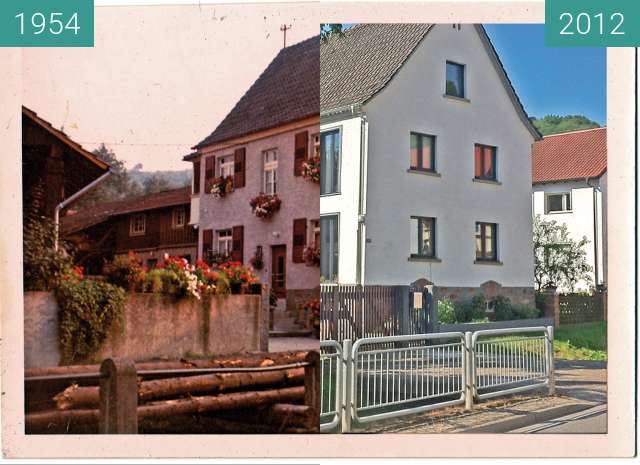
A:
x: 331, y: 369
x: 384, y: 377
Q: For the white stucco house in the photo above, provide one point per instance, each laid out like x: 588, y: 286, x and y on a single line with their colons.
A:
x: 426, y: 162
x: 570, y: 187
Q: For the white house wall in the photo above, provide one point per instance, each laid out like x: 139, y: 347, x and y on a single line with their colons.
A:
x: 580, y: 220
x: 345, y: 202
x: 414, y: 101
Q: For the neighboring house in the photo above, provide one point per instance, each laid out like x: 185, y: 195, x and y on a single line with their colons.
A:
x: 426, y: 157
x: 570, y: 187
x: 54, y: 167
x: 261, y: 146
x: 151, y: 226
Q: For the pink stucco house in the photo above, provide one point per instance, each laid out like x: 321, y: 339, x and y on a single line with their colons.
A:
x: 261, y: 147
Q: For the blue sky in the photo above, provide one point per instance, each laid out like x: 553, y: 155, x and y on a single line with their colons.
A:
x: 552, y: 80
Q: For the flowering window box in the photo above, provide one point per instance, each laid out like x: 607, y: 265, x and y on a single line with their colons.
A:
x: 311, y: 256
x: 264, y: 205
x: 221, y: 186
x: 311, y: 169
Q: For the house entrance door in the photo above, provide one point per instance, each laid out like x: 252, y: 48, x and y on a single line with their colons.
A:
x: 279, y: 270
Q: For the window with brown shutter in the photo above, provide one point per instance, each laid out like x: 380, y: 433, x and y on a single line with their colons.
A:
x: 301, y: 153
x: 209, y: 173
x: 299, y: 239
x: 238, y: 244
x: 207, y: 243
x: 239, y: 168
x: 196, y: 177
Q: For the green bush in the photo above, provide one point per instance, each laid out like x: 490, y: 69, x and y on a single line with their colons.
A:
x: 446, y: 311
x: 502, y: 308
x: 522, y: 312
x: 478, y: 308
x: 472, y: 310
x: 87, y: 310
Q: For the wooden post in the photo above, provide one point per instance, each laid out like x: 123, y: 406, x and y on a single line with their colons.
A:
x: 312, y: 387
x: 118, y: 397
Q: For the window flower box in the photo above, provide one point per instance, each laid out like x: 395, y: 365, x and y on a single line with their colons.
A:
x: 311, y: 169
x: 221, y: 186
x: 311, y: 255
x: 264, y: 205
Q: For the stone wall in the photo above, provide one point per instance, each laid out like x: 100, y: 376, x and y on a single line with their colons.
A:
x: 490, y: 290
x: 155, y: 326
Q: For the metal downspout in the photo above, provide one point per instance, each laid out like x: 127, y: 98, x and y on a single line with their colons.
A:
x: 74, y: 197
x: 596, y: 236
x: 360, y: 241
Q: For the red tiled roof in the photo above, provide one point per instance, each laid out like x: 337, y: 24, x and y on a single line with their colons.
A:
x: 570, y: 156
x: 286, y: 91
x: 101, y: 212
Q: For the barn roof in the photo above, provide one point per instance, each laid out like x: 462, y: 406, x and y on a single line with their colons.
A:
x: 570, y: 156
x: 96, y: 214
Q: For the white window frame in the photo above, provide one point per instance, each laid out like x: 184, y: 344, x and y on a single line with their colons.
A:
x: 565, y: 195
x: 225, y: 165
x: 315, y: 233
x: 315, y: 145
x: 224, y: 243
x: 138, y: 224
x: 179, y: 218
x: 270, y: 172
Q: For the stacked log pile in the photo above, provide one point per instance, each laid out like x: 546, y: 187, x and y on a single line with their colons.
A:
x: 170, y: 400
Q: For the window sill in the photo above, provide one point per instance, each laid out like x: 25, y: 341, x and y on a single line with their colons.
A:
x: 488, y: 262
x: 458, y: 99
x: 487, y: 181
x: 330, y: 194
x: 435, y: 174
x: 559, y: 212
x: 136, y: 234
x: 415, y: 258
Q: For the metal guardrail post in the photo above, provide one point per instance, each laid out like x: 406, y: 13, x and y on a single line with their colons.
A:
x: 468, y: 371
x: 346, y: 407
x: 118, y: 397
x: 552, y: 375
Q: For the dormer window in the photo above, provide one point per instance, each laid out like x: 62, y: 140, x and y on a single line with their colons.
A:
x: 455, y: 80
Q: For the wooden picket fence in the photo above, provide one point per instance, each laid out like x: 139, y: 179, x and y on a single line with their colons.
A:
x: 581, y: 308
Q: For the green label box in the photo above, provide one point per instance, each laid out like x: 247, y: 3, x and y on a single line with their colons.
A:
x: 592, y: 23
x: 46, y: 23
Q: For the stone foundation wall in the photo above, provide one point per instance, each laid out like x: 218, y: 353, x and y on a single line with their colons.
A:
x: 297, y: 297
x: 490, y: 290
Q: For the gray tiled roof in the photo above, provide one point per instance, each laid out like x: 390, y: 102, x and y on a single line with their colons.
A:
x: 286, y: 91
x: 358, y: 64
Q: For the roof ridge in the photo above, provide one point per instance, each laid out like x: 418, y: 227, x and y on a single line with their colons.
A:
x: 574, y: 132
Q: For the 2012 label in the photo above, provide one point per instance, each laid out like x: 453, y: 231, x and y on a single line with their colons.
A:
x: 583, y: 24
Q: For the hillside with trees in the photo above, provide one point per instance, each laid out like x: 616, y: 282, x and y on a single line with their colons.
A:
x: 555, y: 124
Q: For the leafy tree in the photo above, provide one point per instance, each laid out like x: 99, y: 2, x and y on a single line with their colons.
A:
x: 560, y: 261
x: 118, y: 186
x: 555, y: 124
x: 330, y: 30
x: 156, y: 183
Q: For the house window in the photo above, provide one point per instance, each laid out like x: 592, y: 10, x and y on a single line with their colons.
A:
x: 225, y: 241
x: 138, y: 224
x: 455, y: 80
x: 423, y: 152
x: 485, y: 162
x: 329, y: 247
x: 556, y: 203
x: 315, y: 230
x: 316, y: 145
x: 329, y: 162
x: 225, y: 166
x: 423, y: 237
x: 270, y: 172
x: 486, y: 240
x: 179, y: 217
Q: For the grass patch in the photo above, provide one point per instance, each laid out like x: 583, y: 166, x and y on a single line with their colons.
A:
x: 586, y: 341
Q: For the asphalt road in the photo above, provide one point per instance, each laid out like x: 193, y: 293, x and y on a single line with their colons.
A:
x: 590, y: 421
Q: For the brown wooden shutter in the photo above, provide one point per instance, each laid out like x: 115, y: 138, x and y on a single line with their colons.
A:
x: 238, y: 244
x: 207, y: 242
x: 299, y: 239
x: 239, y: 168
x: 196, y: 177
x: 302, y: 152
x: 209, y: 173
